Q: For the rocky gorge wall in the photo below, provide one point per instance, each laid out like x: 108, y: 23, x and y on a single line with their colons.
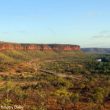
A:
x: 41, y: 47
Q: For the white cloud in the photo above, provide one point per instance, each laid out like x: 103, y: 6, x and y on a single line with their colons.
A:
x: 102, y: 35
x: 14, y: 32
x: 92, y: 14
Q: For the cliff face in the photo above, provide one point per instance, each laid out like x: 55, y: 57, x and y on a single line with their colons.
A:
x: 41, y: 47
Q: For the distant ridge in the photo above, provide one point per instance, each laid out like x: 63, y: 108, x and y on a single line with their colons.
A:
x: 97, y: 50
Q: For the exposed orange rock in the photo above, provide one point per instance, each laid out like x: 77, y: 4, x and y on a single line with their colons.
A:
x: 42, y: 47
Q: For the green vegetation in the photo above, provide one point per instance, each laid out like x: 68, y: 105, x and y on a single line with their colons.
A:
x: 55, y: 80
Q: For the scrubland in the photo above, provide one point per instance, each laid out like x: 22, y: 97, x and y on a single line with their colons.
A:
x: 41, y: 80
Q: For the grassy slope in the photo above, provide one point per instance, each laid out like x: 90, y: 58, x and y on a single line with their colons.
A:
x: 34, y: 87
x: 9, y: 56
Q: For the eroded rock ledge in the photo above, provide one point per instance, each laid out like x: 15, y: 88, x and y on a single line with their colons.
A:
x: 41, y: 47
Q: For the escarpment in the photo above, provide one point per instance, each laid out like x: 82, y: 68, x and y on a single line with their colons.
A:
x: 41, y: 47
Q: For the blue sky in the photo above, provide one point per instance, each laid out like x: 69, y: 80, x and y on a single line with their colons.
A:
x: 83, y: 22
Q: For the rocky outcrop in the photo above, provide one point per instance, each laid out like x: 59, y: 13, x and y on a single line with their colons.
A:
x: 41, y: 47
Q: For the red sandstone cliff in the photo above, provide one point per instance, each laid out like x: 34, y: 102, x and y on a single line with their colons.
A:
x: 42, y: 47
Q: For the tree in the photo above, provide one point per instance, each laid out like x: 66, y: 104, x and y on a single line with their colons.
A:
x: 99, y: 96
x: 74, y: 98
x: 63, y: 97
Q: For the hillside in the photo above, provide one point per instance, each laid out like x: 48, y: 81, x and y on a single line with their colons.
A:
x: 54, y: 80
